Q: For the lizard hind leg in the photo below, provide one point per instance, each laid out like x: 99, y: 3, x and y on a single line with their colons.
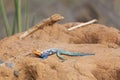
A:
x: 61, y: 57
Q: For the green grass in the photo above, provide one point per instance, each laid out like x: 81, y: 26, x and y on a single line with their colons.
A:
x: 26, y: 15
x: 5, y: 19
x: 18, y: 14
x: 17, y: 22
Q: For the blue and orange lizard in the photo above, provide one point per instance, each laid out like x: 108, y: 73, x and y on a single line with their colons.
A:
x: 58, y: 52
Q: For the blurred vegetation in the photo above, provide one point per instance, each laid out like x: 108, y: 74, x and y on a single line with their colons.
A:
x: 17, y: 23
x: 33, y: 11
x: 3, y: 12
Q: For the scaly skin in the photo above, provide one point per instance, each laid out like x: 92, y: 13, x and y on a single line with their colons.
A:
x: 59, y: 52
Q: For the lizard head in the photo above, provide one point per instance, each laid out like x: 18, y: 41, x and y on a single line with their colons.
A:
x: 37, y: 52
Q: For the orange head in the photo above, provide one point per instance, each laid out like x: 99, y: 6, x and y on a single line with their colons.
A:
x: 37, y: 52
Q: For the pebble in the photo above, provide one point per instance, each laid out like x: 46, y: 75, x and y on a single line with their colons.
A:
x: 16, y: 73
x: 10, y: 64
x: 1, y: 61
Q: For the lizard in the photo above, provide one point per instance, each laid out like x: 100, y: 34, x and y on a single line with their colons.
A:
x: 44, y: 54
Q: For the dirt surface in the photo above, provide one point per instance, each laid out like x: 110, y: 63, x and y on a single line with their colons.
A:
x: 103, y: 41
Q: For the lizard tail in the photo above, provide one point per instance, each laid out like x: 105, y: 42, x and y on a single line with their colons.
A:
x: 83, y: 54
x: 77, y: 54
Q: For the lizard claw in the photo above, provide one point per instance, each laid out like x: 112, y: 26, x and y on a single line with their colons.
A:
x: 63, y: 60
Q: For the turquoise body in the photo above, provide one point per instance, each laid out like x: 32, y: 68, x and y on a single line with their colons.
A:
x: 59, y: 53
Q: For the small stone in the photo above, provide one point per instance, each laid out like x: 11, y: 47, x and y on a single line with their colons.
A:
x: 10, y: 64
x: 16, y: 73
x: 1, y: 61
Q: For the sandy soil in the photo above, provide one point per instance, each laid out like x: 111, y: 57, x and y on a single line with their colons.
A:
x: 101, y: 40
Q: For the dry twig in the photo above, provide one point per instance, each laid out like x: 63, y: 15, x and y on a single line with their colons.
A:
x: 49, y: 21
x: 83, y: 24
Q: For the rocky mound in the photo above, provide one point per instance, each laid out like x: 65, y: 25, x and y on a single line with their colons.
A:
x: 103, y: 41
